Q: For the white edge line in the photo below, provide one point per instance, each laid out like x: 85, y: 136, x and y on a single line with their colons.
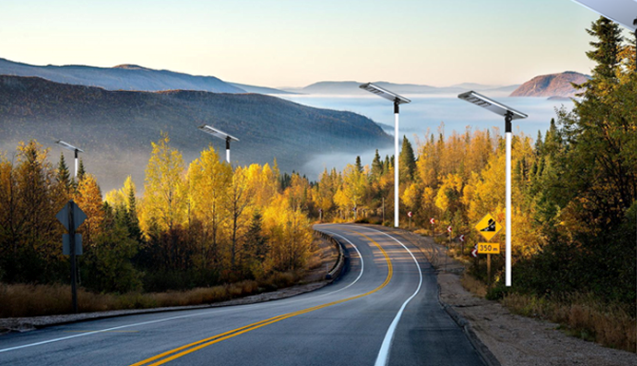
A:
x: 383, y: 354
x: 360, y: 256
x: 172, y: 318
x: 98, y: 331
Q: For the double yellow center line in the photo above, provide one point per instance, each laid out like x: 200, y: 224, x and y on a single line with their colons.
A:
x: 168, y: 356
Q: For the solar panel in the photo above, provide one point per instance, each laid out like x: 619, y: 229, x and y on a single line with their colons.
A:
x: 622, y: 12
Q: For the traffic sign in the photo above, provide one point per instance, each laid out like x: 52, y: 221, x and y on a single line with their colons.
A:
x: 410, y: 214
x: 432, y: 221
x: 461, y: 238
x: 78, y: 215
x: 449, y: 229
x: 488, y: 227
x: 488, y: 248
x: 474, y: 252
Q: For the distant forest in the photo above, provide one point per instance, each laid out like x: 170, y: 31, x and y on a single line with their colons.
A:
x: 115, y: 128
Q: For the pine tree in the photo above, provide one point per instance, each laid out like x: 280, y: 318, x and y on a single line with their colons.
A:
x: 407, y: 161
x: 359, y: 165
x: 605, y: 53
x: 63, y: 174
x: 81, y: 173
x: 377, y: 166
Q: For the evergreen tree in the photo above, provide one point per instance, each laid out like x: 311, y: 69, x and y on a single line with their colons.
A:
x: 134, y: 232
x: 63, y: 174
x: 605, y: 53
x: 81, y: 173
x: 359, y: 165
x: 377, y: 166
x: 407, y: 161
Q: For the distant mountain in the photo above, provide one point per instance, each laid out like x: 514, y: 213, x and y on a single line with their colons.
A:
x: 129, y: 77
x: 553, y: 85
x: 115, y: 128
x: 260, y: 89
x: 122, y: 77
x: 352, y: 88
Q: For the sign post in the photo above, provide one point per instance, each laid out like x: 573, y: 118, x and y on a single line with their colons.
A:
x: 432, y: 221
x: 488, y: 228
x: 320, y: 215
x: 410, y: 214
x: 71, y: 216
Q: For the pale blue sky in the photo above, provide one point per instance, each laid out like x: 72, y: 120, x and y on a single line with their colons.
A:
x: 295, y: 43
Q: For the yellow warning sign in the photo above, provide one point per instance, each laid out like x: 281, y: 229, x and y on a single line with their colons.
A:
x: 488, y: 227
x: 488, y: 248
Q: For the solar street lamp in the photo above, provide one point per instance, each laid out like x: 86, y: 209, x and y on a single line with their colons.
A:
x: 222, y: 135
x: 509, y: 115
x: 397, y: 100
x: 75, y: 150
x: 622, y: 12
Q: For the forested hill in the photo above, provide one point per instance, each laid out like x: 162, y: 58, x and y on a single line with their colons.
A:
x: 115, y: 128
x: 122, y: 77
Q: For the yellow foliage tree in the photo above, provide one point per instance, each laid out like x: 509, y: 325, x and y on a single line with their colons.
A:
x: 163, y: 204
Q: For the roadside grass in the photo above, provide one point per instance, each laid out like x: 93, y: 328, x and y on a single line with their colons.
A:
x: 25, y: 300
x: 578, y: 315
x: 581, y: 316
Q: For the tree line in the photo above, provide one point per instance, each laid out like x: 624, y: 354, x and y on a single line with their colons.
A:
x: 195, y: 226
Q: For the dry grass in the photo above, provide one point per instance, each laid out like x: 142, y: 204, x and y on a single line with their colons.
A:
x: 581, y: 316
x: 21, y: 300
x: 473, y: 285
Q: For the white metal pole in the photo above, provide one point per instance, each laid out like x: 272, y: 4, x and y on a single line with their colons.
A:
x: 228, y: 150
x: 76, y: 164
x: 508, y: 134
x: 396, y: 187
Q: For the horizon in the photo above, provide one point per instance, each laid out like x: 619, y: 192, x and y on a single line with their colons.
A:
x: 282, y: 44
x: 286, y: 87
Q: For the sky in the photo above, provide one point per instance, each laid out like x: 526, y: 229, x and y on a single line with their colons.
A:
x: 290, y: 43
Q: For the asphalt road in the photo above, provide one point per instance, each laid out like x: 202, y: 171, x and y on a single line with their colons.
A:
x: 382, y: 311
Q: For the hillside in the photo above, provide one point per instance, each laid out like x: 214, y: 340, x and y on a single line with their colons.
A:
x: 122, y: 77
x: 129, y: 77
x: 115, y: 128
x: 552, y: 85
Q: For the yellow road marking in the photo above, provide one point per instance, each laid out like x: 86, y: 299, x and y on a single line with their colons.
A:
x: 195, y: 346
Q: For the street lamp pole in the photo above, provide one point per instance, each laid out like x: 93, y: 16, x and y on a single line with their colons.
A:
x: 509, y: 115
x: 397, y: 100
x: 222, y: 135
x: 75, y: 150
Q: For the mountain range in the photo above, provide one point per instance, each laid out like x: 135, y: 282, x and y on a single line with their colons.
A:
x: 115, y: 128
x: 134, y: 77
x: 352, y: 88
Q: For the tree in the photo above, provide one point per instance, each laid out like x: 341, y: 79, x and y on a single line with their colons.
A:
x: 605, y: 53
x: 210, y: 181
x: 407, y: 161
x: 359, y: 166
x: 377, y: 167
x: 63, y: 174
x: 80, y: 171
x: 89, y: 199
x: 164, y: 202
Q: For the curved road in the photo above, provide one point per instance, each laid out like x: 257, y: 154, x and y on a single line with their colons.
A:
x: 382, y: 311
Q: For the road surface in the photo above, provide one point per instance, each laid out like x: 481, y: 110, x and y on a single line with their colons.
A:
x: 382, y: 311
